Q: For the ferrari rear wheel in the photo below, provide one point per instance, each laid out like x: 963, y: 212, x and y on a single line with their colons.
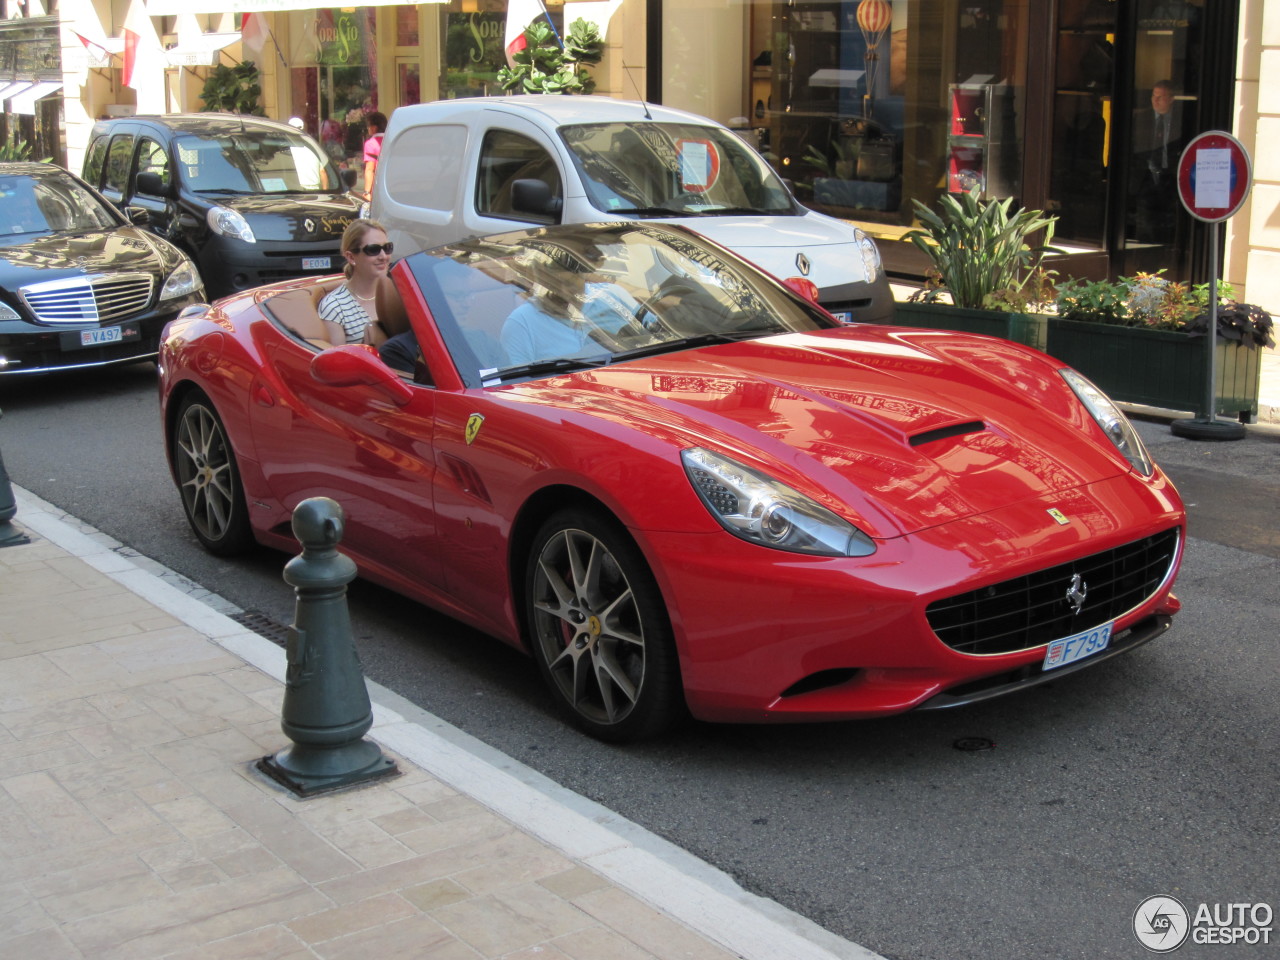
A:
x: 599, y: 629
x: 208, y: 479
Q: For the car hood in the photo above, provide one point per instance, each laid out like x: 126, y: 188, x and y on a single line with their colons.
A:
x: 897, y: 430
x: 774, y: 244
x: 292, y: 216
x: 58, y: 255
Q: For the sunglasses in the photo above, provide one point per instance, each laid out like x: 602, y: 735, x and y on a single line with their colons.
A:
x: 373, y: 249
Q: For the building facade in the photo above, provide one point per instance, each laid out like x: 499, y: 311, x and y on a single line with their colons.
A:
x: 1078, y: 107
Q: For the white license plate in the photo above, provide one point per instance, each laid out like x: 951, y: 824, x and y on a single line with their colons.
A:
x: 93, y: 338
x: 1077, y: 647
x: 316, y: 263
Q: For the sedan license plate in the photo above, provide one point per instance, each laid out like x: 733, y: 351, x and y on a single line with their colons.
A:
x: 95, y: 338
x: 316, y: 263
x: 1077, y: 647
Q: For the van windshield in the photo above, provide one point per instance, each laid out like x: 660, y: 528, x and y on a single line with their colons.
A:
x: 255, y: 161
x: 673, y: 170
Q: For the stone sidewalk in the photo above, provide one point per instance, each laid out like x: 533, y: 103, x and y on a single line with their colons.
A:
x: 134, y: 824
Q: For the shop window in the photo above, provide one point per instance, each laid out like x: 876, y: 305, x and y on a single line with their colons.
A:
x: 506, y: 157
x: 864, y: 105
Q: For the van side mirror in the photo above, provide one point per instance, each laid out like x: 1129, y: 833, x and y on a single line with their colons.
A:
x: 151, y: 183
x: 535, y: 197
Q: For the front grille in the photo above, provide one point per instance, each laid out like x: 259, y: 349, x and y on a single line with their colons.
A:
x: 99, y: 299
x: 1034, y: 610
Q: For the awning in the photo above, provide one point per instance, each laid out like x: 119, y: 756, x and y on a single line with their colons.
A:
x: 10, y: 87
x: 199, y: 51
x: 171, y: 8
x: 25, y: 102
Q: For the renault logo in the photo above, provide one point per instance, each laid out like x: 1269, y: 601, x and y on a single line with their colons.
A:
x: 309, y: 225
x: 1077, y: 592
x: 802, y: 264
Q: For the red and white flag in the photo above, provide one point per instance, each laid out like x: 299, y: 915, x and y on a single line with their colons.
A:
x: 99, y: 55
x: 520, y: 13
x: 141, y: 46
x: 253, y: 32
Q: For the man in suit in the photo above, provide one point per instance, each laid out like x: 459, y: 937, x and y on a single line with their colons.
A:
x: 1158, y: 142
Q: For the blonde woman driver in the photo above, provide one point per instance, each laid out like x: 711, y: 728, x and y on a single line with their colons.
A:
x: 350, y: 310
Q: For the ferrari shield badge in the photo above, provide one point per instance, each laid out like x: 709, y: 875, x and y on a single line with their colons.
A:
x: 473, y: 427
x: 1054, y: 512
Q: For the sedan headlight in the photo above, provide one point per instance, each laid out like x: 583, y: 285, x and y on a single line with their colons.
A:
x: 1112, y: 421
x: 870, y: 257
x: 183, y: 281
x: 226, y: 222
x: 762, y: 510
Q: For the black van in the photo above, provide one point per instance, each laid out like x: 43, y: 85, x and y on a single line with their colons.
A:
x: 251, y: 200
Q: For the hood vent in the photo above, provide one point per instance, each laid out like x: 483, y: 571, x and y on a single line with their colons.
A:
x: 955, y: 430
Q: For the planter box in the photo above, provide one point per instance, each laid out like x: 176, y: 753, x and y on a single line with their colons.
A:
x: 1159, y: 368
x: 1028, y: 328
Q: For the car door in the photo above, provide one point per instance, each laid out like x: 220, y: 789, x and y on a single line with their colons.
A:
x: 151, y: 157
x: 511, y: 149
x: 356, y: 445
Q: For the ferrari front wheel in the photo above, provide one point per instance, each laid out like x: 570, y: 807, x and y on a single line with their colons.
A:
x: 208, y: 479
x: 599, y: 630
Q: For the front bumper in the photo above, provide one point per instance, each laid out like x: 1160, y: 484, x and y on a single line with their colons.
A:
x: 230, y: 266
x: 769, y: 637
x: 859, y: 302
x: 32, y: 348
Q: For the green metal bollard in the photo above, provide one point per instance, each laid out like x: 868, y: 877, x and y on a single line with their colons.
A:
x: 10, y: 536
x: 326, y: 710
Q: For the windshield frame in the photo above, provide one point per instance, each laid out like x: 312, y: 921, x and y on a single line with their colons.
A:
x: 728, y: 153
x: 593, y: 295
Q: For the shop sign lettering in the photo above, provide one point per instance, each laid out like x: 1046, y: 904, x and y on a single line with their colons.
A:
x: 340, y: 39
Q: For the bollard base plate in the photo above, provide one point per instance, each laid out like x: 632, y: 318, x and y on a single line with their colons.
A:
x: 311, y: 773
x: 1202, y: 429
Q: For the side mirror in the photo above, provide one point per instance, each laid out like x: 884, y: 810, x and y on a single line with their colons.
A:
x: 151, y: 183
x: 534, y: 196
x: 138, y: 216
x: 357, y: 364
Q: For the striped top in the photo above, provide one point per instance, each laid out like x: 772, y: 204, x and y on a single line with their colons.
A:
x: 341, y: 307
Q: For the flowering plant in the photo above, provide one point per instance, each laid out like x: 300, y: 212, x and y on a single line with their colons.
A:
x: 1151, y: 300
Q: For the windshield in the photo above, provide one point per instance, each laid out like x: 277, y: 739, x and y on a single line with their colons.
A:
x: 542, y: 302
x: 49, y: 205
x: 255, y: 161
x: 673, y: 169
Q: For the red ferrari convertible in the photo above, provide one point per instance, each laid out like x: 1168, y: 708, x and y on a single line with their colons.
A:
x: 681, y: 486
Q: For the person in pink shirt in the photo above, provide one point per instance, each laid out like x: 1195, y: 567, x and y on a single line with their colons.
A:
x: 376, y: 123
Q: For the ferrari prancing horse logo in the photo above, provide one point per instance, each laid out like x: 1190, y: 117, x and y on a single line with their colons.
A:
x: 473, y: 427
x: 1058, y: 516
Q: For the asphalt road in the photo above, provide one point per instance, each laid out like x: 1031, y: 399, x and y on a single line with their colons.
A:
x: 1153, y: 775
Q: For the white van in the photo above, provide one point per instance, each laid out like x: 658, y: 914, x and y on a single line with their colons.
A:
x: 454, y: 169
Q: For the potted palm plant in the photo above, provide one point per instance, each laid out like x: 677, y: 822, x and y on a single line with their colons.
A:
x: 986, y: 275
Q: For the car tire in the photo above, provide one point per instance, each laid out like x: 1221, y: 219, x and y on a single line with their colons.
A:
x: 599, y: 630
x: 208, y: 479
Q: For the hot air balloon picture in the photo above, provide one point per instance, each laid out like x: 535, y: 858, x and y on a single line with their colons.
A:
x: 874, y: 18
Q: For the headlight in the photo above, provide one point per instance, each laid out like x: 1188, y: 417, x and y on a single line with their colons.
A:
x: 226, y: 222
x: 761, y: 510
x: 870, y: 257
x: 184, y: 280
x: 8, y: 313
x: 1113, y: 423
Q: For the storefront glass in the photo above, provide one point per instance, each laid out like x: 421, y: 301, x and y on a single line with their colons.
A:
x: 866, y: 104
x: 334, y: 76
